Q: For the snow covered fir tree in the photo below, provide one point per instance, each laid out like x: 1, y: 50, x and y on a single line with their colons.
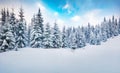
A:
x: 37, y: 31
x: 21, y: 31
x: 14, y: 33
x: 47, y: 41
x: 56, y: 38
x: 7, y: 38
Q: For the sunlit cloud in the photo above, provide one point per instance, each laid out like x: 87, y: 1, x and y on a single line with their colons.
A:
x: 75, y: 18
x: 39, y: 5
x: 93, y: 16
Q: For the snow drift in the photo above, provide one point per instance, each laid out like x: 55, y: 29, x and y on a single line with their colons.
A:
x: 104, y: 58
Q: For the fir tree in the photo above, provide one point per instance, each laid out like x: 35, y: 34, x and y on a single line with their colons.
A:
x: 103, y: 31
x: 119, y: 26
x: 3, y: 16
x: 113, y: 26
x: 92, y: 36
x: 68, y: 32
x: 56, y: 38
x: 73, y: 40
x: 21, y: 35
x: 87, y: 33
x: 81, y: 42
x: 97, y: 35
x: 110, y: 28
x: 37, y: 35
x: 13, y: 23
x: 64, y: 38
x: 47, y: 39
x: 7, y: 40
x: 116, y: 28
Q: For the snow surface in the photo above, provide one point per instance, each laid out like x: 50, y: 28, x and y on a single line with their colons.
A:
x: 91, y: 59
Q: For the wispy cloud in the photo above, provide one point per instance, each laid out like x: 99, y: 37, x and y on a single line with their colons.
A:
x: 67, y: 7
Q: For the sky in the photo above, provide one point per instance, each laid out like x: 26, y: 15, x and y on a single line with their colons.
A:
x: 66, y: 12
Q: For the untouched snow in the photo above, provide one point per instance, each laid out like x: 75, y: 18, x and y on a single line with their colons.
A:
x: 91, y: 59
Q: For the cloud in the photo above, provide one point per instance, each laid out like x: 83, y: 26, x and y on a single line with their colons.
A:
x: 96, y: 16
x: 60, y: 21
x: 68, y: 8
x: 75, y: 18
x: 69, y: 11
x: 93, y: 16
x: 40, y: 6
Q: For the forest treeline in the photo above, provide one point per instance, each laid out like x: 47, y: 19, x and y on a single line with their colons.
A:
x: 14, y: 33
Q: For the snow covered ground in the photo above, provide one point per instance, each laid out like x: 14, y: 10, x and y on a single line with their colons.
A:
x: 91, y: 59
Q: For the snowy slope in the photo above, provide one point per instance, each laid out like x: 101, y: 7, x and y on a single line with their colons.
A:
x: 91, y: 59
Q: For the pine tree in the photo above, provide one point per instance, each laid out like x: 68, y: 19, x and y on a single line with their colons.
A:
x: 35, y: 38
x: 47, y: 37
x: 92, y: 36
x: 0, y: 28
x: 30, y: 29
x: 87, y: 33
x: 73, y: 40
x: 116, y: 28
x: 56, y: 38
x: 113, y: 26
x: 119, y: 26
x: 64, y: 38
x: 68, y: 32
x: 3, y: 16
x: 103, y: 30
x: 21, y: 35
x: 13, y: 23
x: 81, y: 42
x: 7, y: 15
x: 97, y: 35
x: 7, y: 40
x: 110, y: 28
x: 37, y: 35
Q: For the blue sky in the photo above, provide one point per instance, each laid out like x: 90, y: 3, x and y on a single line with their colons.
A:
x: 67, y: 12
x: 80, y: 6
x: 72, y: 7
